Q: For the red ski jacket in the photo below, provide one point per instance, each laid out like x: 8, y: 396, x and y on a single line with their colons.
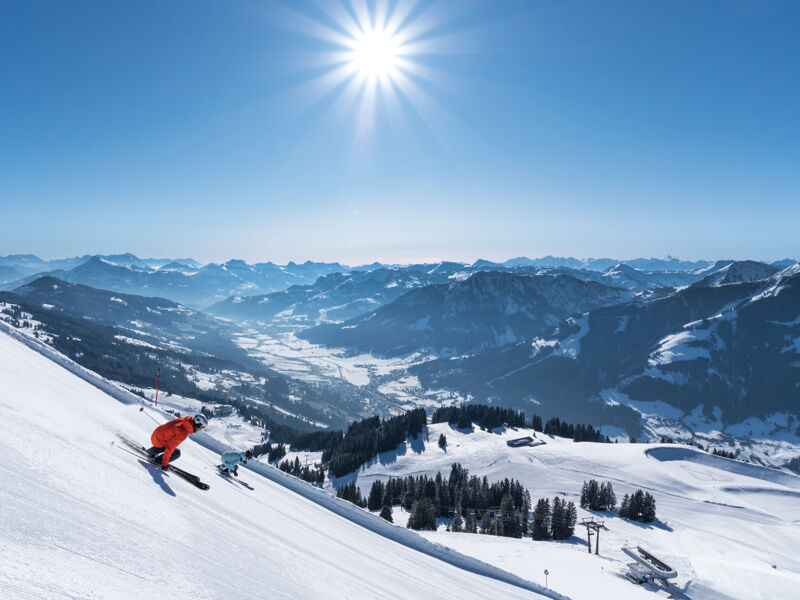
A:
x: 170, y: 435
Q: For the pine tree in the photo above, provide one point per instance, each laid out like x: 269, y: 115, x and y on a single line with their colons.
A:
x: 458, y: 522
x: 571, y: 520
x: 386, y: 513
x: 541, y: 520
x: 471, y: 525
x: 351, y: 493
x: 510, y: 518
x: 558, y: 519
x: 428, y: 514
x: 423, y: 515
x: 376, y: 492
x: 536, y: 423
x: 526, y: 509
x: 648, y: 508
x: 635, y: 505
x: 414, y: 517
x: 442, y: 441
x: 487, y: 523
x: 624, y: 507
x: 607, y: 499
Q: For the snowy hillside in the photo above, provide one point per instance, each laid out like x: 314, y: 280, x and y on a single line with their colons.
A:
x: 84, y: 519
x: 721, y: 523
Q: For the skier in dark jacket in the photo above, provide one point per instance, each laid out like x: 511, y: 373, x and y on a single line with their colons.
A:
x: 167, y: 437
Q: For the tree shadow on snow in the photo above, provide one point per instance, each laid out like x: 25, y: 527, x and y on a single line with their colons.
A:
x: 388, y: 457
x: 657, y: 524
x: 576, y: 540
x: 613, y: 514
x: 462, y: 430
x: 158, y: 477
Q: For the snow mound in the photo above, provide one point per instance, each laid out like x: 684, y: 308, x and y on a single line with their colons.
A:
x: 725, y: 464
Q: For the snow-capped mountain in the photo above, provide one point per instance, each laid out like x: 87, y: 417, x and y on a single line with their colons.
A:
x: 335, y: 297
x: 597, y: 264
x: 703, y: 355
x: 737, y: 272
x: 484, y: 310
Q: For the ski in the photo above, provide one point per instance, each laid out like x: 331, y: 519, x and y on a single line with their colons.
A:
x: 229, y: 477
x: 142, y: 451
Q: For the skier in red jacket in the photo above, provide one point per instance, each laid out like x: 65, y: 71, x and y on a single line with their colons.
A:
x: 167, y: 437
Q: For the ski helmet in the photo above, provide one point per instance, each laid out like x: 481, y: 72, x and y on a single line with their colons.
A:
x: 200, y: 421
x: 248, y: 454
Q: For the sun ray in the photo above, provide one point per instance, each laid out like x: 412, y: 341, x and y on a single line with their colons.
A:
x: 377, y: 65
x: 399, y: 15
x: 362, y: 13
x: 337, y: 12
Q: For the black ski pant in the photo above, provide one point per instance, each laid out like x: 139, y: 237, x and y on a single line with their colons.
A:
x: 157, y: 453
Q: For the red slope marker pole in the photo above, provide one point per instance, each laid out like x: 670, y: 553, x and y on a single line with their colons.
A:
x: 158, y: 377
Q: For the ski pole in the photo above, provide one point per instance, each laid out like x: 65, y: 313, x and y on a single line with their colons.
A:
x: 158, y: 377
x: 141, y: 410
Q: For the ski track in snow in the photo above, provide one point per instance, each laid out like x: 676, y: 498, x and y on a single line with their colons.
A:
x: 83, y: 519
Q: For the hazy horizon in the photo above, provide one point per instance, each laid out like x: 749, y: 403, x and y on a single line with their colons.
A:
x: 425, y: 260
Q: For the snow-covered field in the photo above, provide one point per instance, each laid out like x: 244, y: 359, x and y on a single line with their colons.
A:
x: 722, y: 524
x: 81, y: 518
x: 394, y: 389
x: 292, y: 356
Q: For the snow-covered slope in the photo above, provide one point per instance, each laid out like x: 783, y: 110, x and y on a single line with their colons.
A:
x: 82, y: 518
x: 721, y: 523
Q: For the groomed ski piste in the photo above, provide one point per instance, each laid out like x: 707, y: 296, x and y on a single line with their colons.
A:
x: 83, y: 519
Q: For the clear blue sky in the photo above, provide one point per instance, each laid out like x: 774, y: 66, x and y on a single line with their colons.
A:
x: 199, y: 128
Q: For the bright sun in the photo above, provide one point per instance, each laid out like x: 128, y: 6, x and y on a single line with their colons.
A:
x: 374, y: 56
x: 375, y: 53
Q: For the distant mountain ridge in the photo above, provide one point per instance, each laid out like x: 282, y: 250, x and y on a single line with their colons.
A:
x: 484, y: 310
x: 333, y: 297
x: 196, y: 287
